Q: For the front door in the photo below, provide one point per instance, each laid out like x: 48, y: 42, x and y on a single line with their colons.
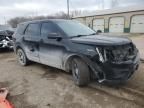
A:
x: 51, y: 50
x: 31, y: 41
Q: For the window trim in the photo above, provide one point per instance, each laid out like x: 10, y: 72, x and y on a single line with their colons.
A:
x: 51, y: 23
x: 28, y: 26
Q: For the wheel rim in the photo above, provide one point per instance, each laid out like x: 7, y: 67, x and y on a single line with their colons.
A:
x: 21, y: 57
x: 75, y: 71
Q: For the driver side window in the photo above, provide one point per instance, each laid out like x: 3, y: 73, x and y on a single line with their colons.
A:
x: 48, y: 28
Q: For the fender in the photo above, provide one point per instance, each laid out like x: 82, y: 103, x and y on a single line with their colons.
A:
x: 93, y: 66
x: 17, y: 45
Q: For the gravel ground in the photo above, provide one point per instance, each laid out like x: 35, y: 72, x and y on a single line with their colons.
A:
x: 40, y: 86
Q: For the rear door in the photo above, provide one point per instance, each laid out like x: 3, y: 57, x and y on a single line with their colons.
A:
x: 31, y: 41
x: 51, y: 50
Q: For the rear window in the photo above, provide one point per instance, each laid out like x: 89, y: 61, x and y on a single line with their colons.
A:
x: 33, y: 29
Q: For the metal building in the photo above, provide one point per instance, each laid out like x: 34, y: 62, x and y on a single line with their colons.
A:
x: 118, y: 20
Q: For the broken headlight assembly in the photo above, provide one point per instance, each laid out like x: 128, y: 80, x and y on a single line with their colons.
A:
x: 117, y: 54
x: 102, y: 54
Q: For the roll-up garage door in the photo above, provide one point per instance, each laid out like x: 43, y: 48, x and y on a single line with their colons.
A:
x: 98, y: 24
x: 116, y: 25
x: 137, y: 24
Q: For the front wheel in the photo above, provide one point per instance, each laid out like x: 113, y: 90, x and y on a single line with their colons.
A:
x: 80, y: 71
x: 22, y: 59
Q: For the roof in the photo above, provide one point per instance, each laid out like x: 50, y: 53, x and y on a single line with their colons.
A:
x: 43, y: 20
x: 112, y: 11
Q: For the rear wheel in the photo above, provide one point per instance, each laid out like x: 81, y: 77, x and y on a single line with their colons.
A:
x: 22, y: 59
x: 80, y: 71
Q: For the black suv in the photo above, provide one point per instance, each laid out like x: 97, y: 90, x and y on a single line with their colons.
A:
x: 73, y: 47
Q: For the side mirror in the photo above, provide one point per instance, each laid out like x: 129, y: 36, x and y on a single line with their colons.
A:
x: 54, y: 36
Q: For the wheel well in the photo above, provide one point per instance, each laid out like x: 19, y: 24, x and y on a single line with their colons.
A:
x: 69, y: 61
x: 18, y: 47
x: 69, y: 69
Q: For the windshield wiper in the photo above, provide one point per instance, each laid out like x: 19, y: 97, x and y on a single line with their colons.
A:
x: 78, y: 36
x: 92, y: 34
x: 83, y: 35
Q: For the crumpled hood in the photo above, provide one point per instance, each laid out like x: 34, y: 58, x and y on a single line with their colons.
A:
x: 101, y: 40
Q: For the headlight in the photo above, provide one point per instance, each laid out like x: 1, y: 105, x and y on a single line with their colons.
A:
x: 101, y: 58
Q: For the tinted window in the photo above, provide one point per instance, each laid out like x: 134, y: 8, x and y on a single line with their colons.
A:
x: 48, y: 28
x: 33, y: 29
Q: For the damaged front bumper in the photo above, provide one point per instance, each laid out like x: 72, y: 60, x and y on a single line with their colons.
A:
x: 115, y: 72
x: 6, y: 44
x: 6, y: 39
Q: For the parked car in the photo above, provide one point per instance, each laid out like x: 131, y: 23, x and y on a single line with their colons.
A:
x: 74, y: 47
x: 6, y: 39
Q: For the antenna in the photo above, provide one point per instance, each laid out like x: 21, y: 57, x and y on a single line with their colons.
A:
x: 68, y: 8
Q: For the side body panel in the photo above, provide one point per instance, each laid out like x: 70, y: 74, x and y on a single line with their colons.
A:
x: 51, y: 55
x: 51, y: 51
x: 31, y: 39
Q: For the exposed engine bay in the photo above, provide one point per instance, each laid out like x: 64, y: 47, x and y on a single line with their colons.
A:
x: 117, y: 62
x: 117, y: 54
x: 6, y: 39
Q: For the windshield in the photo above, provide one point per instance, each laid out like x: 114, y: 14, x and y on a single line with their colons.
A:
x: 74, y: 28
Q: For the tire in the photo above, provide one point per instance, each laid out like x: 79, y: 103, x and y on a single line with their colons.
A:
x: 21, y: 56
x: 80, y: 72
